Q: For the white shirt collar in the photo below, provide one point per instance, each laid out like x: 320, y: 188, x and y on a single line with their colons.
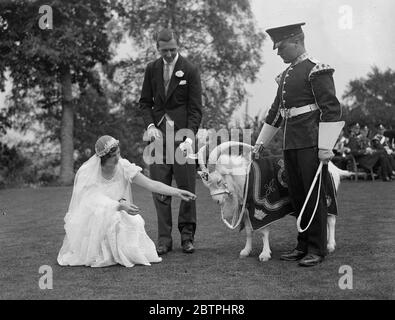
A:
x: 173, y: 63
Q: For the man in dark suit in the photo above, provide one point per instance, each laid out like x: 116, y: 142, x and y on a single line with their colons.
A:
x: 307, y: 106
x: 171, y: 101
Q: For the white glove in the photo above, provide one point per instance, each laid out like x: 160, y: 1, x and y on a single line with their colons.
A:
x: 258, y: 148
x: 186, y: 147
x: 153, y: 132
x: 325, y: 155
x: 265, y: 136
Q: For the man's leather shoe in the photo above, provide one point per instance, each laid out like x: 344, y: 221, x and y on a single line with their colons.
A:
x: 293, y: 255
x: 163, y: 250
x: 311, y: 260
x: 188, y: 247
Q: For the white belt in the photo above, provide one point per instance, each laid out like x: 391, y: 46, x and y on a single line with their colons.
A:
x: 295, y: 111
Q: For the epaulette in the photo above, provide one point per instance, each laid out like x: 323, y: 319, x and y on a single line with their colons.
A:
x: 278, y: 78
x: 313, y: 60
x: 320, y: 68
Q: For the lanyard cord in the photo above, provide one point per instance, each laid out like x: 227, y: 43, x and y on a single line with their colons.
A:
x: 298, y: 221
x: 233, y: 225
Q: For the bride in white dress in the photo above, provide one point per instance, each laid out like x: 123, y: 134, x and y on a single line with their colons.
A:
x: 103, y: 226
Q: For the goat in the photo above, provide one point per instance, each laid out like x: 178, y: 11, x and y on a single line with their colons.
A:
x: 225, y: 176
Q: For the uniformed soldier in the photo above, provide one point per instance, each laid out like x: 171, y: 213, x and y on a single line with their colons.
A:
x: 307, y: 106
x: 384, y: 141
x: 382, y: 144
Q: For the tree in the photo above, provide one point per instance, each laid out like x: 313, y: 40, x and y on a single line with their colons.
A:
x: 4, y: 123
x: 121, y: 123
x: 50, y: 66
x: 371, y: 100
x: 57, y: 81
x: 220, y: 36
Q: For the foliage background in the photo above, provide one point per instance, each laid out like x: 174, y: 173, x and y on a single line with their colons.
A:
x: 69, y: 86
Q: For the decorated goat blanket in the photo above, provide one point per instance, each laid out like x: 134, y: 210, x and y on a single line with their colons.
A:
x: 268, y: 198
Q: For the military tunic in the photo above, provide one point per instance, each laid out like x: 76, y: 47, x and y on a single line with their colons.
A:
x: 304, y: 82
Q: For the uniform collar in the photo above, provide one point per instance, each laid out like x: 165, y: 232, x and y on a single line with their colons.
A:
x: 300, y: 59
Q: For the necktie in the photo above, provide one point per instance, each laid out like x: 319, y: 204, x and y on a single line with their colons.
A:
x: 166, y: 76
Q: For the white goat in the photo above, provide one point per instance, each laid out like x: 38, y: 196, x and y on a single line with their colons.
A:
x: 226, y: 177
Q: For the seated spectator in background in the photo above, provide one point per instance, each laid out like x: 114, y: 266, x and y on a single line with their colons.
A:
x: 390, y: 134
x: 384, y: 140
x: 355, y: 130
x: 365, y: 155
x: 386, y: 153
x: 342, y: 153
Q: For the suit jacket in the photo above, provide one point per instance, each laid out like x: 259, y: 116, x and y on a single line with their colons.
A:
x: 305, y: 82
x: 183, y: 102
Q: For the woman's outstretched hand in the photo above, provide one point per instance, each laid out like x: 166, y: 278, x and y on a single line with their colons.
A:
x: 130, y: 208
x: 186, y: 195
x: 161, y: 188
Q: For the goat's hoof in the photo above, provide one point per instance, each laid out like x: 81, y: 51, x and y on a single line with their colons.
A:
x: 264, y: 257
x: 244, y: 253
x: 331, y: 247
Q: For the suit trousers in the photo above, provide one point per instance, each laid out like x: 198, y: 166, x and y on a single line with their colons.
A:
x: 301, y: 166
x: 185, y: 177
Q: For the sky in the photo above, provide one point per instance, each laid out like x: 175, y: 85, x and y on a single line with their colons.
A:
x: 349, y: 35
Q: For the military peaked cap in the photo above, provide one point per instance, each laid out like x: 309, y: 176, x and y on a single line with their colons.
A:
x: 285, y: 32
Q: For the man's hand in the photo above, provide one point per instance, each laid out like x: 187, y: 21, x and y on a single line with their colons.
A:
x: 186, y: 147
x: 325, y: 155
x: 153, y: 132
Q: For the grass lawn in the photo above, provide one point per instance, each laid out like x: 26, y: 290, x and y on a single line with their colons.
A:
x: 31, y: 233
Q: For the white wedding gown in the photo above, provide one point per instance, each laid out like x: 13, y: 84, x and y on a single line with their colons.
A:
x: 98, y: 235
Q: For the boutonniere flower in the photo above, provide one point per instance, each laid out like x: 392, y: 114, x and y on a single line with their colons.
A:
x: 179, y: 74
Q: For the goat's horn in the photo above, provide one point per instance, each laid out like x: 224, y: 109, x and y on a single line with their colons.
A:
x: 216, y: 152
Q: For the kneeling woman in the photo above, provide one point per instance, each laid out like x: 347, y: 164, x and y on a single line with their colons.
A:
x: 102, y: 225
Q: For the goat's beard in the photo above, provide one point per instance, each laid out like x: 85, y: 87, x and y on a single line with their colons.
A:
x: 232, y: 205
x: 230, y: 208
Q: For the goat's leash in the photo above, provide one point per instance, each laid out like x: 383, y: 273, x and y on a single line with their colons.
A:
x: 328, y: 133
x: 233, y: 225
x: 298, y: 221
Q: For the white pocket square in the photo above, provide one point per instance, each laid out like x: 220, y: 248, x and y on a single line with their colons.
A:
x: 182, y: 82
